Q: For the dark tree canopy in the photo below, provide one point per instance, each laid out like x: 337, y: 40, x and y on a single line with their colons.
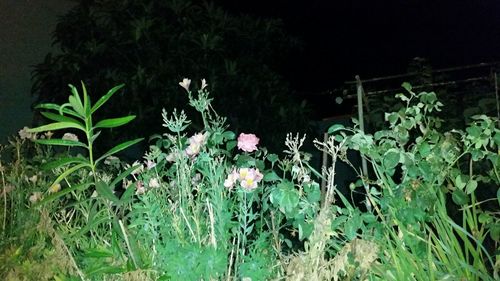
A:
x: 151, y: 45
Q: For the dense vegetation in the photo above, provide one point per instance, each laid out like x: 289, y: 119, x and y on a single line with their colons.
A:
x: 214, y: 206
x: 149, y: 45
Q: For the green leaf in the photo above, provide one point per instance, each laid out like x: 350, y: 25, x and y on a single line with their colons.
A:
x: 424, y: 149
x: 104, y: 190
x: 106, y: 97
x: 245, y: 160
x: 57, y: 108
x: 334, y: 128
x: 305, y: 230
x: 60, y: 142
x: 98, y: 253
x: 485, y: 218
x: 127, y: 195
x: 271, y: 176
x: 230, y: 145
x: 118, y: 148
x: 496, y: 139
x: 391, y: 158
x: 352, y: 225
x: 495, y: 232
x: 123, y: 175
x: 63, y: 162
x: 114, y: 122
x: 228, y: 135
x: 272, y: 158
x: 498, y: 196
x: 70, y: 171
x: 460, y: 181
x: 63, y: 192
x: 286, y: 196
x: 217, y: 138
x: 61, y: 118
x: 407, y: 86
x: 471, y: 186
x: 86, y: 101
x: 76, y: 102
x: 459, y: 197
x: 56, y: 126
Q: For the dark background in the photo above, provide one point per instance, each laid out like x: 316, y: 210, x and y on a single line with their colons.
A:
x: 339, y: 40
x: 375, y: 38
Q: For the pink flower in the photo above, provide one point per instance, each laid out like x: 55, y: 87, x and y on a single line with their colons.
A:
x: 231, y: 179
x: 248, y: 178
x: 247, y: 142
x: 258, y: 175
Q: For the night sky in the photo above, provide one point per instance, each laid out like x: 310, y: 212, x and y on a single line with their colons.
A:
x: 348, y: 37
x: 340, y: 38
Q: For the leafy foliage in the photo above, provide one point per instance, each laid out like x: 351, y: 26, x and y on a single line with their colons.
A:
x: 150, y: 45
x: 198, y: 208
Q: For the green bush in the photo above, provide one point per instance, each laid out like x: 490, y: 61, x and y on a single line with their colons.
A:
x: 212, y: 205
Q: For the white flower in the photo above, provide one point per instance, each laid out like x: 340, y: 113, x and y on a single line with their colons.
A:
x: 24, y: 134
x: 203, y: 84
x: 110, y: 160
x: 306, y: 179
x: 33, y: 179
x: 35, y: 197
x: 171, y: 157
x: 185, y: 83
x: 150, y: 164
x: 137, y: 170
x: 195, y: 144
x: 70, y: 136
x: 154, y: 183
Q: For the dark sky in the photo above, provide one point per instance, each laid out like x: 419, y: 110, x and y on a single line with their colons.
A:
x: 341, y: 38
x: 374, y: 38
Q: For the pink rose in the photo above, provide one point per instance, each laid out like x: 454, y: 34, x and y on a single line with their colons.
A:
x: 247, y: 142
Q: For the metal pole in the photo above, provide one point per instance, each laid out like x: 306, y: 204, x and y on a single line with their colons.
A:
x: 364, y: 165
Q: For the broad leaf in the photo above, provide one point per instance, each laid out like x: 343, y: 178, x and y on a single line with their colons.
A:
x: 334, y: 128
x: 271, y: 176
x: 391, y: 158
x: 459, y: 197
x: 114, y: 122
x: 407, y: 86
